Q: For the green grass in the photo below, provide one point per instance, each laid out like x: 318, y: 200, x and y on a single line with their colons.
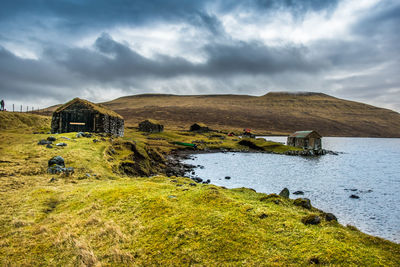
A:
x: 113, y: 219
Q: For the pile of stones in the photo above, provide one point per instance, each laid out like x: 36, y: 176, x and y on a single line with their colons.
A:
x: 56, y: 165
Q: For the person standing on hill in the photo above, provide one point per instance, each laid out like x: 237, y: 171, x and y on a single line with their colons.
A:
x: 2, y: 105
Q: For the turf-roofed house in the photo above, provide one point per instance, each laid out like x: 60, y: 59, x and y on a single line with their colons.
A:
x: 79, y: 115
x: 310, y: 140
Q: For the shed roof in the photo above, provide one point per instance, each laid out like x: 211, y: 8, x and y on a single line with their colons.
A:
x: 97, y: 107
x: 200, y: 124
x: 152, y: 121
x: 303, y: 134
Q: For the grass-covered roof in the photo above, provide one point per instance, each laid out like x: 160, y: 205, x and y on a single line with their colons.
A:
x: 97, y: 107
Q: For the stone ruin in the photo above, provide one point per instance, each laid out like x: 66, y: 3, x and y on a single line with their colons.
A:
x: 79, y: 115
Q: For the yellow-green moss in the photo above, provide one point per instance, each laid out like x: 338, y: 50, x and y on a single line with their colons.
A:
x: 112, y: 220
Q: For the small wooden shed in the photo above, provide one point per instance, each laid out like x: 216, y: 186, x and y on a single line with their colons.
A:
x: 305, y: 139
x: 79, y: 115
x: 151, y: 126
x: 199, y: 127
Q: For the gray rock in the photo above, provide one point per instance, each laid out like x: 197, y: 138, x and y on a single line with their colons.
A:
x: 57, y: 160
x: 303, y: 202
x: 354, y: 196
x: 44, y: 142
x: 298, y: 193
x: 285, y: 193
x: 330, y: 217
x: 311, y: 219
x: 66, y: 138
x: 69, y: 171
x: 49, y: 146
x: 55, y: 169
x: 80, y: 134
x: 51, y: 138
x: 197, y: 179
x: 61, y: 144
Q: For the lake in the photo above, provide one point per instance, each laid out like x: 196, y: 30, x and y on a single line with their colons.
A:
x: 366, y: 167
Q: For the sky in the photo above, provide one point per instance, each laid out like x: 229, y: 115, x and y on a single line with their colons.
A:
x: 52, y: 51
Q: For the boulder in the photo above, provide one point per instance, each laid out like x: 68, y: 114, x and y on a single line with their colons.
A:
x: 51, y: 138
x: 49, y: 146
x: 44, y: 142
x: 61, y: 144
x: 311, y: 219
x: 303, y: 202
x: 284, y: 193
x: 330, y: 217
x: 55, y: 169
x: 57, y: 160
x: 354, y: 196
x: 197, y: 179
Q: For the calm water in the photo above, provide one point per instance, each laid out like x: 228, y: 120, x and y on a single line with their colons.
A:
x: 370, y: 166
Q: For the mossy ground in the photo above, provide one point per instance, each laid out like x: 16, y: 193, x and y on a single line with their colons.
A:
x: 111, y: 219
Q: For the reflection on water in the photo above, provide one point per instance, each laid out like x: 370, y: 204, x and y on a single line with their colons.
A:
x: 368, y: 167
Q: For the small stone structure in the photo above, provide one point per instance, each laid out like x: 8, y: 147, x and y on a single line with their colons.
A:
x: 310, y: 140
x: 199, y: 127
x: 151, y: 126
x: 79, y: 115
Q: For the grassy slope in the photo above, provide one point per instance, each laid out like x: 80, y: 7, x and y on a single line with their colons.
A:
x: 273, y: 113
x: 110, y: 219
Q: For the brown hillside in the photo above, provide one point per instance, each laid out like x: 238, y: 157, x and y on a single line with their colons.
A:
x: 273, y: 113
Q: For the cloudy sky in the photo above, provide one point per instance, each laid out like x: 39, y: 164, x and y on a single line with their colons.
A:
x: 52, y: 51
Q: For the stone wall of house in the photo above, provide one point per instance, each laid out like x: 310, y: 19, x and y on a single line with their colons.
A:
x: 94, y: 121
x: 146, y: 126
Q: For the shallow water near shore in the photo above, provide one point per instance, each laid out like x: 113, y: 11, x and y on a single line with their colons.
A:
x: 367, y: 167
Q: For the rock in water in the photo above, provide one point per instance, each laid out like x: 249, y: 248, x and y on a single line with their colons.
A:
x: 57, y: 160
x: 354, y: 196
x: 311, y: 219
x: 303, y: 202
x: 227, y: 177
x: 298, y: 193
x: 284, y: 193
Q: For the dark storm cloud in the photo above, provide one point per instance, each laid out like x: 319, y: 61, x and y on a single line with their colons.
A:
x: 89, y: 14
x: 362, y: 66
x: 112, y: 60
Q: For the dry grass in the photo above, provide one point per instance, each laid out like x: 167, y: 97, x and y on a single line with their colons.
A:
x: 271, y: 114
x: 114, y: 220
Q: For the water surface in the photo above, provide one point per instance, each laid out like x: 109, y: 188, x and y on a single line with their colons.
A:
x: 368, y: 168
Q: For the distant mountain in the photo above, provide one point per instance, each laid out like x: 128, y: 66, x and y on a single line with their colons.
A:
x: 273, y: 113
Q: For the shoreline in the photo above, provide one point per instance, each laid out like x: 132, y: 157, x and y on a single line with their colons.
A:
x: 182, y: 155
